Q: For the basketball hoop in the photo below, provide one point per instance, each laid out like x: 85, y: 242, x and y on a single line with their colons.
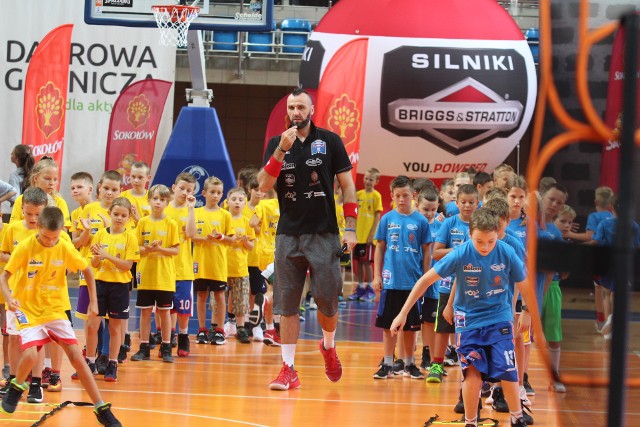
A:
x: 173, y: 22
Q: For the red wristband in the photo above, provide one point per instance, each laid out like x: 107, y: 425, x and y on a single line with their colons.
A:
x: 273, y: 167
x: 351, y: 209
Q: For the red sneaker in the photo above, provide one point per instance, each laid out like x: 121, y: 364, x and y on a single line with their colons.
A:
x: 332, y: 365
x: 287, y: 379
x: 271, y: 337
x: 46, y: 377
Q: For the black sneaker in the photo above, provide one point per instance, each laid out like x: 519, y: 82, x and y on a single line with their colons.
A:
x: 426, y: 358
x: 527, y: 417
x: 383, y: 373
x: 242, y: 335
x: 174, y: 339
x: 413, y: 372
x: 127, y: 341
x: 152, y: 341
x: 111, y: 372
x: 451, y: 357
x: 499, y: 404
x: 165, y: 349
x: 157, y: 338
x: 486, y: 389
x: 218, y: 338
x: 143, y: 353
x: 122, y: 354
x: 183, y: 345
x: 105, y: 416
x: 35, y: 393
x: 530, y: 391
x: 256, y: 315
x: 398, y: 367
x: 520, y: 423
x: 202, y: 338
x: 14, y: 393
x: 211, y: 334
x: 101, y: 363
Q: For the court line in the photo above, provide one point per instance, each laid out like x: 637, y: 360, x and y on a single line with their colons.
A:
x: 184, y: 414
x: 280, y: 397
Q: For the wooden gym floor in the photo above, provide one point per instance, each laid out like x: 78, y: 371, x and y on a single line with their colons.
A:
x: 227, y: 385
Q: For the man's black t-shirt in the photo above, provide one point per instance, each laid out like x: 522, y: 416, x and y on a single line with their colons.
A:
x: 305, y: 184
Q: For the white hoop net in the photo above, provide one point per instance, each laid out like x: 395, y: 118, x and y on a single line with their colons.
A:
x: 173, y: 22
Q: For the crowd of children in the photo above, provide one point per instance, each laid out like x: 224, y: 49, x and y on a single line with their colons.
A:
x: 443, y: 262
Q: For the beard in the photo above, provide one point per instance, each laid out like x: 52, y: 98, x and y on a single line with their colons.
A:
x: 303, y: 124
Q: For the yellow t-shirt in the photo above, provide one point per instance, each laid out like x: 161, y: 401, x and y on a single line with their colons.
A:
x: 42, y: 285
x: 210, y: 257
x: 141, y: 203
x: 253, y: 257
x: 368, y: 205
x: 157, y: 272
x: 100, y: 219
x: 2, y: 263
x: 184, y: 259
x: 16, y: 232
x: 124, y: 246
x: 236, y: 253
x: 16, y: 212
x: 268, y: 211
x: 342, y: 222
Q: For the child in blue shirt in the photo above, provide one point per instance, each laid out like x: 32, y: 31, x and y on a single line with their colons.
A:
x: 484, y: 268
x: 453, y: 232
x: 402, y: 255
x: 428, y: 207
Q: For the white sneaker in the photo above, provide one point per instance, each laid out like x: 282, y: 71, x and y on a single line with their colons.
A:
x: 312, y: 304
x: 489, y: 400
x: 258, y: 335
x: 558, y: 387
x: 523, y: 396
x: 230, y: 330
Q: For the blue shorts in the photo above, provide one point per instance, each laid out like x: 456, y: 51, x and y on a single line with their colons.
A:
x: 183, y: 298
x: 490, y: 350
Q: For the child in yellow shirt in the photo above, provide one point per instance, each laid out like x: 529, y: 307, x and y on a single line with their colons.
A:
x: 265, y: 223
x: 44, y: 175
x: 34, y: 201
x: 138, y: 196
x: 256, y: 282
x: 39, y: 300
x: 94, y: 217
x: 242, y: 237
x: 159, y: 242
x: 113, y: 251
x: 213, y: 226
x: 182, y: 210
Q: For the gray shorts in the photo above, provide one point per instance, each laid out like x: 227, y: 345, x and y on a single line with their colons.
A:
x: 294, y: 256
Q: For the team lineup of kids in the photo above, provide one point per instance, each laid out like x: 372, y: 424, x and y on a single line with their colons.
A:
x: 449, y: 264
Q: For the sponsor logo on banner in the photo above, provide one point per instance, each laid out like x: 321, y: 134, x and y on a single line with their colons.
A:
x: 458, y: 98
x: 50, y: 108
x: 116, y: 3
x: 345, y: 119
x: 138, y: 110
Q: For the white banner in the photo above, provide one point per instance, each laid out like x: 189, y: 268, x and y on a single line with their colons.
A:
x: 104, y: 60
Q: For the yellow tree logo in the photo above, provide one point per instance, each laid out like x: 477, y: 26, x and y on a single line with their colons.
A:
x: 49, y: 109
x: 138, y: 110
x: 344, y: 119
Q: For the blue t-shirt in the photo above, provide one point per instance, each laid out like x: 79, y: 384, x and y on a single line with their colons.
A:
x: 453, y: 232
x: 519, y: 229
x: 551, y: 233
x: 605, y: 235
x: 451, y: 209
x: 595, y: 218
x: 403, y: 258
x: 432, y: 291
x: 482, y: 291
x: 513, y: 241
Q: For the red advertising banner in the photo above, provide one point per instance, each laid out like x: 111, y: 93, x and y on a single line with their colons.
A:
x: 134, y: 126
x: 341, y: 96
x: 613, y: 113
x: 45, y: 95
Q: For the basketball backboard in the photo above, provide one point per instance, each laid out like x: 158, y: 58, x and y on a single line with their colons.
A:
x: 253, y: 15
